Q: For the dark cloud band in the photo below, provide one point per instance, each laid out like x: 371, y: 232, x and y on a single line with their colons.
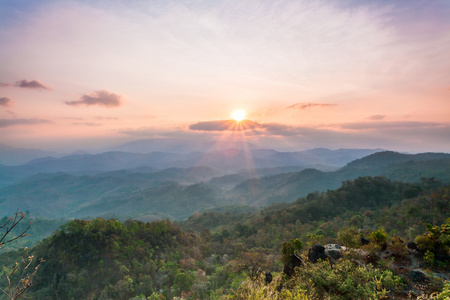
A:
x: 15, y: 122
x: 226, y: 125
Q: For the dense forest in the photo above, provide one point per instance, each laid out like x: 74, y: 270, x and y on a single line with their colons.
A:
x: 394, y: 242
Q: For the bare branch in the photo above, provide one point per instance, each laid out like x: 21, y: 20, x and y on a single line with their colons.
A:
x: 20, y: 272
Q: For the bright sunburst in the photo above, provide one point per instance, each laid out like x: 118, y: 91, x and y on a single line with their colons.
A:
x: 238, y: 115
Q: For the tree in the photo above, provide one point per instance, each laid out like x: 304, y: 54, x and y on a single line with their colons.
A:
x: 8, y: 226
x: 289, y: 249
x: 254, y: 263
x: 20, y: 277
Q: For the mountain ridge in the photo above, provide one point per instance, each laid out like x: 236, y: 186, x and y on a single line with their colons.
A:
x: 187, y: 190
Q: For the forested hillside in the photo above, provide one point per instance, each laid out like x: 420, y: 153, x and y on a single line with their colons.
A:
x: 214, y: 255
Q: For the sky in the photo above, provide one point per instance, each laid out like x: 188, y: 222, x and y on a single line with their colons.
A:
x: 325, y: 73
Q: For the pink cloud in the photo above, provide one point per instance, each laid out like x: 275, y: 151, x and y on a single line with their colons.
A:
x: 33, y: 84
x: 5, y: 102
x: 102, y: 98
x: 305, y: 105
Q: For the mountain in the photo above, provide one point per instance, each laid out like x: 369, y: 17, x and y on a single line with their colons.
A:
x: 179, y: 145
x: 96, y: 163
x: 12, y: 156
x: 317, y: 156
x: 179, y: 192
x: 290, y: 186
x: 198, y: 257
x: 65, y: 195
x: 230, y: 160
x: 231, y: 180
x: 170, y: 199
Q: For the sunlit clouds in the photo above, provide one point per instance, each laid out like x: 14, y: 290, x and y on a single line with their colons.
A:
x: 308, y: 73
x: 226, y: 125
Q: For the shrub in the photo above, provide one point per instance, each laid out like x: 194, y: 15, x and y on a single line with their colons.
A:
x: 346, y: 280
x: 398, y: 247
x: 349, y: 237
x: 290, y: 248
x: 379, y: 237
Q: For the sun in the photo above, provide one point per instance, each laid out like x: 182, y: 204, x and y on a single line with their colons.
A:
x: 238, y: 115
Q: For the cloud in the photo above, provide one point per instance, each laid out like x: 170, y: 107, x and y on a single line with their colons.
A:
x: 102, y: 98
x: 377, y: 117
x: 33, y: 84
x: 305, y: 105
x: 2, y: 84
x: 226, y: 125
x: 15, y: 122
x: 389, y: 125
x: 5, y: 101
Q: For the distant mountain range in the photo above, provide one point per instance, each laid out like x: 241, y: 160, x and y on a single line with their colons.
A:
x: 226, y: 160
x: 17, y: 156
x: 75, y: 186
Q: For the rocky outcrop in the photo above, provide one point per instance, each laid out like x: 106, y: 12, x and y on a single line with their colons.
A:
x: 333, y: 252
x: 315, y: 253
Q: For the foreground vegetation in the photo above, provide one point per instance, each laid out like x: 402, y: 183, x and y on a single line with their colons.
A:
x: 224, y: 255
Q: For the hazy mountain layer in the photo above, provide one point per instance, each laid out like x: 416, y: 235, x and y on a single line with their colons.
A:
x: 178, y: 192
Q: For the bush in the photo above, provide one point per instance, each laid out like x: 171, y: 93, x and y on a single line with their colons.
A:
x: 398, y: 247
x: 349, y: 237
x: 435, y: 243
x: 290, y: 248
x: 346, y: 280
x: 379, y: 237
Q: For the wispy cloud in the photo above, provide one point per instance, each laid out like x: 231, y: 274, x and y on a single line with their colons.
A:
x: 15, y: 122
x: 5, y: 102
x: 102, y: 98
x: 33, y: 84
x: 2, y: 84
x: 306, y: 105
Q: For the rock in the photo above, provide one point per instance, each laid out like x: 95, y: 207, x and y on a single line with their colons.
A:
x: 418, y: 277
x: 412, y: 245
x: 268, y: 277
x: 333, y: 252
x: 364, y: 241
x: 316, y: 252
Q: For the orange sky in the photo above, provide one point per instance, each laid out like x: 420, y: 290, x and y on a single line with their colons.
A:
x: 352, y: 74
